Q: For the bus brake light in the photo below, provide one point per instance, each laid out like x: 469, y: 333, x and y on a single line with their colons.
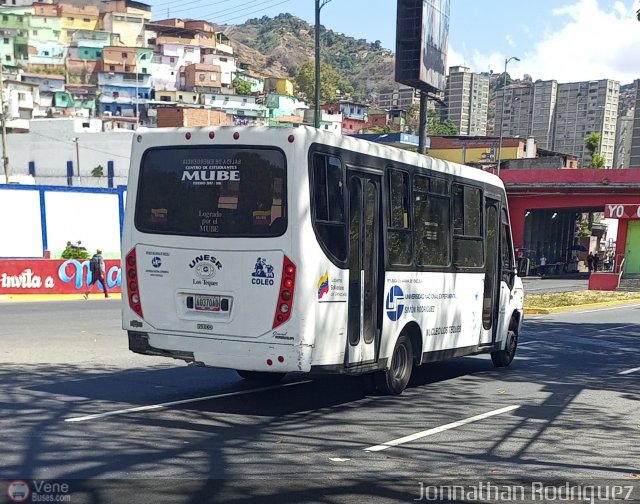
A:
x: 132, y: 285
x: 285, y: 296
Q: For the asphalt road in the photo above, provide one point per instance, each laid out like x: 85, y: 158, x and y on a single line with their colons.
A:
x: 537, y: 285
x: 80, y: 409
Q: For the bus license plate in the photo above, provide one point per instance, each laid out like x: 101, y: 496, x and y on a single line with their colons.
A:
x: 207, y: 303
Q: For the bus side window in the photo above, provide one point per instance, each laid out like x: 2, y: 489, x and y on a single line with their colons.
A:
x: 328, y: 204
x: 468, y: 240
x: 431, y: 221
x: 399, y: 234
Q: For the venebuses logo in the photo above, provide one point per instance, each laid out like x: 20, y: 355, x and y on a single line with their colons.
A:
x: 18, y: 491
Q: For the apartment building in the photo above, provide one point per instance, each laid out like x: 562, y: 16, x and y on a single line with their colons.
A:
x: 400, y: 98
x: 624, y: 137
x: 545, y: 95
x: 583, y: 108
x: 634, y: 158
x: 513, y: 110
x: 561, y: 116
x: 467, y: 99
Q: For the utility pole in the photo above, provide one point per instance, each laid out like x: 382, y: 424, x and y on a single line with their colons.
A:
x: 3, y: 124
x: 316, y: 118
x: 422, y: 123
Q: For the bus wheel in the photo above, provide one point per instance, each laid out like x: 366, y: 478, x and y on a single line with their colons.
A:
x: 394, y: 380
x: 261, y: 376
x: 502, y: 358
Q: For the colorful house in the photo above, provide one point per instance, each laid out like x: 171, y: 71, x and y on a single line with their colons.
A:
x: 201, y: 78
x: 76, y: 17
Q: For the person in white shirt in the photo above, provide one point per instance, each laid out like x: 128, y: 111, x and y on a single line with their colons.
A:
x: 543, y: 265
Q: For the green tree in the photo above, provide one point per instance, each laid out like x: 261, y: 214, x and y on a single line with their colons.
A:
x: 98, y: 171
x: 380, y: 129
x: 597, y: 161
x: 413, y: 117
x: 330, y: 82
x: 592, y: 143
x: 437, y: 127
x: 242, y: 86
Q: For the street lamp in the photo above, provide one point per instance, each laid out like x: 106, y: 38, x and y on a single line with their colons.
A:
x: 504, y: 86
x: 319, y: 5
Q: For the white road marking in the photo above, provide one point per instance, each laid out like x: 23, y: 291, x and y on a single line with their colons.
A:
x: 629, y: 371
x: 528, y: 343
x: 442, y: 428
x: 182, y: 401
x: 614, y: 328
x: 607, y: 309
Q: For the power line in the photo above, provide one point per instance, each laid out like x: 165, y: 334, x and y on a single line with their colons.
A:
x: 173, y: 2
x: 225, y: 19
x: 234, y: 8
x: 204, y: 3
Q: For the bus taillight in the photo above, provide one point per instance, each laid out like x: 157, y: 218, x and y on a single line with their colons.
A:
x: 132, y: 282
x: 285, y: 297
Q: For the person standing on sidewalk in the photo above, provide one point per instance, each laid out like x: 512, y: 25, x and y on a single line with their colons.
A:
x: 543, y: 265
x: 596, y: 260
x: 98, y: 272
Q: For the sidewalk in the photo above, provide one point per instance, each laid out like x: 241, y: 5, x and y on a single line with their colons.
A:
x: 536, y: 286
x: 58, y: 297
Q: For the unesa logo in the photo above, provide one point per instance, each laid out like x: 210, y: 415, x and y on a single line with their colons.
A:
x: 394, y: 304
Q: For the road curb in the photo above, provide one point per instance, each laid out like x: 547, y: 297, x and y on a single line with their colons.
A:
x: 56, y: 297
x: 556, y: 309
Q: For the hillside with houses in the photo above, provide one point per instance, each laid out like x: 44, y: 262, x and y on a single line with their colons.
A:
x: 109, y: 60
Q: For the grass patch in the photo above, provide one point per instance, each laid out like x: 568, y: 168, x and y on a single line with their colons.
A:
x: 557, y: 299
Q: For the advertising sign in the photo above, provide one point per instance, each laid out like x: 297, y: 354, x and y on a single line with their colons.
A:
x: 422, y: 39
x: 613, y: 211
x: 35, y: 276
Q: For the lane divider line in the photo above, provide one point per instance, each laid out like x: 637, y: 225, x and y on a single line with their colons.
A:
x: 629, y: 371
x: 182, y: 401
x: 442, y: 428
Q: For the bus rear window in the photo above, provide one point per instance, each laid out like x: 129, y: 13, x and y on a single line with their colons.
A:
x: 212, y: 191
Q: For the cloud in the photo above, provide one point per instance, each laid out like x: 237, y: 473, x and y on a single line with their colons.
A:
x: 591, y: 42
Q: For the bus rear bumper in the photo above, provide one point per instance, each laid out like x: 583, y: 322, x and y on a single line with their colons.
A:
x: 243, y: 355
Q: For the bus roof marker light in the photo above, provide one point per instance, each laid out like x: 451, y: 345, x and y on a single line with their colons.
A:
x: 280, y: 359
x: 236, y: 135
x: 269, y: 362
x: 139, y: 138
x: 187, y: 135
x: 291, y: 138
x: 212, y: 135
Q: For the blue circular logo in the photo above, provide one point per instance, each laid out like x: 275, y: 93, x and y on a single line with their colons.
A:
x: 395, y: 303
x: 156, y: 262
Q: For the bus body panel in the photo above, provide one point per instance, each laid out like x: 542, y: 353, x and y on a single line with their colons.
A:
x: 447, y: 306
x: 209, y: 292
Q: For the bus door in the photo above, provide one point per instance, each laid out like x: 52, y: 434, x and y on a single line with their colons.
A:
x: 493, y: 273
x: 364, y: 240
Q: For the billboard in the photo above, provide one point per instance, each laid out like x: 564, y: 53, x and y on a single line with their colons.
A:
x: 422, y: 37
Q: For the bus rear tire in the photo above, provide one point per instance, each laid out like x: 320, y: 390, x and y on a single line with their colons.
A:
x: 502, y: 358
x: 394, y: 380
x: 260, y: 376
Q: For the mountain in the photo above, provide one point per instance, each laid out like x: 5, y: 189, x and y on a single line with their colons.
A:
x: 280, y: 46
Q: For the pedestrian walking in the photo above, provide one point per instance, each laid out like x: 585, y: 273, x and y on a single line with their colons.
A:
x: 98, y: 273
x: 590, y: 261
x: 596, y: 260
